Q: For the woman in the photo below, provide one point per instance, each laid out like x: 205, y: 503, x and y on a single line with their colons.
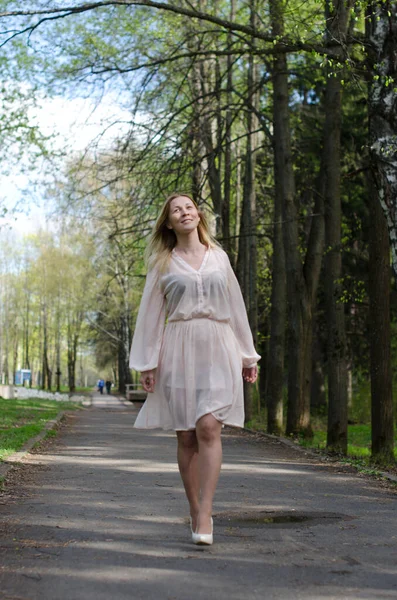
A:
x: 192, y: 368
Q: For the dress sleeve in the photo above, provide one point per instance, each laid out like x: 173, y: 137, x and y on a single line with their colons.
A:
x: 239, y: 319
x: 149, y: 327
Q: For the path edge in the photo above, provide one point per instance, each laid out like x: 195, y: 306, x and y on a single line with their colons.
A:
x: 309, y: 451
x: 18, y: 456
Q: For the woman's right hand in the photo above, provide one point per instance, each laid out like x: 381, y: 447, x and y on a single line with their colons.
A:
x: 148, y: 380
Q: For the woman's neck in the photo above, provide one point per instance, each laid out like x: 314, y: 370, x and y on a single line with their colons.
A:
x: 190, y: 243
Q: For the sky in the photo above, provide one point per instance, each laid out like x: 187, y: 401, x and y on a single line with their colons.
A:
x: 76, y: 122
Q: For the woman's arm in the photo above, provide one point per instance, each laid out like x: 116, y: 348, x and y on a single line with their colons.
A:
x: 240, y: 325
x: 149, y: 327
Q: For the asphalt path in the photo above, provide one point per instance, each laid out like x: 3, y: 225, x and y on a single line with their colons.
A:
x: 100, y: 514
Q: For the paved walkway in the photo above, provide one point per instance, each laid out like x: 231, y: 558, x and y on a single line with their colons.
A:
x: 101, y: 515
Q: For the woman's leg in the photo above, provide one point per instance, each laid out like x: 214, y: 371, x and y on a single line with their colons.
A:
x: 208, y: 432
x: 188, y: 468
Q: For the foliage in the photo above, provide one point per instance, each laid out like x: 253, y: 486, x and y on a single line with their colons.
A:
x: 44, y: 289
x: 184, y: 81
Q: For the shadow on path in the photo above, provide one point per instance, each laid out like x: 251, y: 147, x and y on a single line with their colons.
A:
x: 100, y: 514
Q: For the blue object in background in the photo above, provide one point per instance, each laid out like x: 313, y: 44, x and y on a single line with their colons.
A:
x: 23, y: 375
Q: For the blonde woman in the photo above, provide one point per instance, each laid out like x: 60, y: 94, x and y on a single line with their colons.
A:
x: 193, y: 367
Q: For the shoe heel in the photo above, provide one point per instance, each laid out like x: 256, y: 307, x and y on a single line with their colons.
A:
x: 204, y: 539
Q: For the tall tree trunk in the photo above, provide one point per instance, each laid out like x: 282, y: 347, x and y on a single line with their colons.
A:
x: 337, y: 19
x: 209, y: 120
x: 72, y: 354
x: 247, y: 255
x: 237, y: 219
x: 196, y: 146
x: 298, y: 418
x: 380, y: 335
x: 58, y: 346
x: 40, y: 373
x: 302, y: 278
x: 381, y: 37
x: 318, y: 397
x: 6, y: 373
x: 278, y: 315
x: 73, y: 345
x: 206, y: 135
x: 15, y: 356
x: 47, y: 373
x: 26, y: 361
x: 228, y: 246
x: 76, y: 338
x: 58, y: 365
x: 124, y: 372
x: 115, y: 376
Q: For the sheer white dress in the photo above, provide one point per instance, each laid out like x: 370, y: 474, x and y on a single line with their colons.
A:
x: 199, y: 354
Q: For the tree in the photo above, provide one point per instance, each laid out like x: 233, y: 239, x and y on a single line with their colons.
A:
x: 382, y: 58
x: 382, y: 431
x: 337, y: 19
x: 247, y: 262
x: 301, y: 276
x: 220, y: 83
x: 382, y: 61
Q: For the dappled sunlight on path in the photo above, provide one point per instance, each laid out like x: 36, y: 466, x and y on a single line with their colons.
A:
x: 101, y: 513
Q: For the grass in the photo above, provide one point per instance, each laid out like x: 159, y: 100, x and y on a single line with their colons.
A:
x: 359, y: 441
x: 359, y: 438
x: 20, y: 420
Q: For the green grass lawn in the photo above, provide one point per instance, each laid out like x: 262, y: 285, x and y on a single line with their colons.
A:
x: 359, y: 441
x: 359, y: 436
x: 21, y: 420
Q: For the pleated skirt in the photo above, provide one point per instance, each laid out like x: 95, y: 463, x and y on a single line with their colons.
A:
x: 199, y: 373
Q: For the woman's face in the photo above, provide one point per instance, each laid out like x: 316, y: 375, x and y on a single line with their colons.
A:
x: 183, y: 216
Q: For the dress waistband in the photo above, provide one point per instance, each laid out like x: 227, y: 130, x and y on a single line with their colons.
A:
x: 224, y: 321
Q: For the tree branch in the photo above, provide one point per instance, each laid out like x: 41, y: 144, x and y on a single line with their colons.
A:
x: 284, y: 45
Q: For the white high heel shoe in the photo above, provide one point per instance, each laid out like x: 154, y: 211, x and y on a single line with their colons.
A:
x: 204, y: 538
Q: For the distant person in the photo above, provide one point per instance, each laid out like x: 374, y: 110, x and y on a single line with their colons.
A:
x: 101, y: 385
x: 193, y: 368
x: 108, y: 385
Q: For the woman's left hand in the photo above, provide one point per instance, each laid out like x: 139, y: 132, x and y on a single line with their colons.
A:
x: 250, y: 374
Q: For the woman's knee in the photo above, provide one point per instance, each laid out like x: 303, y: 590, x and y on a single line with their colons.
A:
x: 187, y: 439
x: 208, y: 429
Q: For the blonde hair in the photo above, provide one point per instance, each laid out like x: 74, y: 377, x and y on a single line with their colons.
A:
x: 163, y: 240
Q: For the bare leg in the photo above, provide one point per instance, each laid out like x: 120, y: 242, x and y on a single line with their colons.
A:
x: 188, y: 468
x: 208, y: 432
